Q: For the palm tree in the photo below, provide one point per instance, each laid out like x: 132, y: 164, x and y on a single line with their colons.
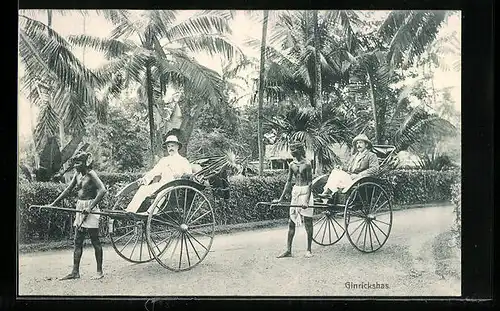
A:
x: 292, y: 66
x: 408, y: 32
x: 53, y: 78
x: 161, y: 57
x: 317, y: 65
x: 301, y: 124
x: 260, y: 132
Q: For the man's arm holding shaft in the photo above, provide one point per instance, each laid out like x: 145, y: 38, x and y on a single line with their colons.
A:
x: 66, y: 191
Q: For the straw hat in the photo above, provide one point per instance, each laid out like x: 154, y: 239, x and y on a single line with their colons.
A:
x: 364, y: 138
x: 172, y: 139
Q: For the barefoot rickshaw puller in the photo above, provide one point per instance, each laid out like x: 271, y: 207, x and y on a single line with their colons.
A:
x: 300, y: 168
x: 90, y: 191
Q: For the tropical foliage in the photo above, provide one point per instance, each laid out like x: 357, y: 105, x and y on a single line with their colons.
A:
x: 322, y: 77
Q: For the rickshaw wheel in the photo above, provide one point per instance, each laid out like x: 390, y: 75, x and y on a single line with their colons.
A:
x: 327, y: 230
x: 180, y: 228
x: 128, y: 235
x: 368, y: 208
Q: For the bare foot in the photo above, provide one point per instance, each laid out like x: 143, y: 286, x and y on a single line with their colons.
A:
x: 98, y: 276
x: 285, y: 254
x: 308, y: 254
x: 70, y: 276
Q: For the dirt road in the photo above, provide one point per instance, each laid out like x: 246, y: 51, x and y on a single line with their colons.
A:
x: 415, y: 261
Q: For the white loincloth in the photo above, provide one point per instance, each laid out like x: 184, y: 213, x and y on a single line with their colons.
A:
x: 89, y: 220
x: 299, y: 197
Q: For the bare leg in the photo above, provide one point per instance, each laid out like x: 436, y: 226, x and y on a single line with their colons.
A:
x: 291, y: 233
x: 94, y: 238
x: 308, y: 225
x: 77, y: 255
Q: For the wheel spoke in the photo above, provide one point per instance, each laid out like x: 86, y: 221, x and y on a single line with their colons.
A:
x: 382, y: 222
x: 118, y: 239
x: 197, y: 241
x: 319, y: 219
x: 368, y: 206
x: 182, y: 245
x: 380, y: 206
x: 175, y: 247
x: 370, y: 233
x: 362, y: 201
x: 185, y: 205
x: 194, y: 221
x: 121, y: 251
x: 364, y: 240
x: 194, y: 248
x: 329, y: 232
x: 194, y: 213
x: 375, y: 234
x: 334, y: 220
x: 135, y: 245
x: 187, y: 250
x: 380, y: 230
x: 124, y: 227
x: 140, y: 248
x: 360, y: 232
x: 319, y: 230
x: 190, y: 206
x: 201, y: 232
x: 378, y: 198
x: 200, y: 226
x: 170, y: 218
x: 371, y: 198
x: 357, y: 227
x: 165, y: 222
x: 324, y: 231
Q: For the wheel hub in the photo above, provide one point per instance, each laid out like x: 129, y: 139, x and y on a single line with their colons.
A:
x: 184, y: 227
x: 370, y: 217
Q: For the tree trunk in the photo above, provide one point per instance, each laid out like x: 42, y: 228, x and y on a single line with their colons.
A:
x: 374, y: 107
x: 317, y: 66
x: 260, y: 132
x: 149, y: 91
x: 187, y: 126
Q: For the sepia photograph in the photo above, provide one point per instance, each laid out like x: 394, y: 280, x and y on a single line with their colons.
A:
x: 263, y: 153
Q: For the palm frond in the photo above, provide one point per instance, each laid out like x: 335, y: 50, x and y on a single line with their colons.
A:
x: 206, y: 82
x: 110, y: 47
x: 409, y: 32
x: 212, y: 44
x: 47, y: 124
x: 196, y: 25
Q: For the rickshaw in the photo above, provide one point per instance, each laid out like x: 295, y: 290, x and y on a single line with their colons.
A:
x: 174, y: 226
x: 366, y: 208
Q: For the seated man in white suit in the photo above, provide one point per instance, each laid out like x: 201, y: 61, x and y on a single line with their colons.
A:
x: 172, y: 166
x: 362, y: 163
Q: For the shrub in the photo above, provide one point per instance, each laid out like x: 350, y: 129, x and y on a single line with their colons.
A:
x: 420, y: 186
x: 406, y: 186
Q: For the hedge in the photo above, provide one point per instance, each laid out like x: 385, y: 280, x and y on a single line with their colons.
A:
x: 406, y: 187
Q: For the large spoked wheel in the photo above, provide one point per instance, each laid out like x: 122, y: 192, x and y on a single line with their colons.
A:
x: 368, y: 217
x: 180, y: 228
x: 128, y: 234
x: 328, y: 229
